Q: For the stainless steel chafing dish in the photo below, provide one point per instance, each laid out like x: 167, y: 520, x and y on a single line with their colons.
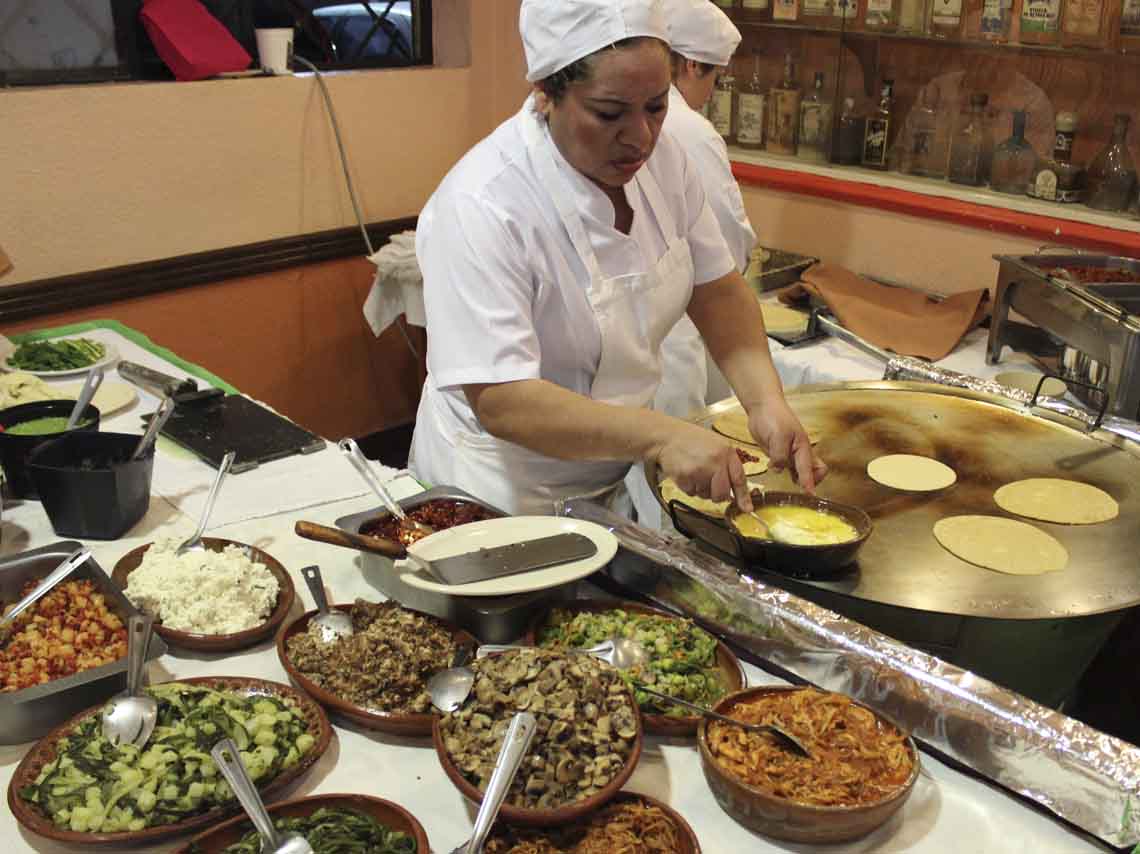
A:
x: 1097, y: 325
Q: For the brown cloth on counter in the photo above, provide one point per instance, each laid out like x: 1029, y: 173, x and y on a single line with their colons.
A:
x: 903, y: 321
x: 5, y: 264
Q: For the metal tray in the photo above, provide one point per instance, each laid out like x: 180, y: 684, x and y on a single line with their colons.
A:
x: 781, y: 269
x: 490, y: 619
x: 32, y: 713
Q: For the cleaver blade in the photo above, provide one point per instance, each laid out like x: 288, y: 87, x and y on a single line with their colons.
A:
x: 510, y: 559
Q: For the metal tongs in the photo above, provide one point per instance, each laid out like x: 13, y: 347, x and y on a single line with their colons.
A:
x: 353, y: 454
x: 69, y: 565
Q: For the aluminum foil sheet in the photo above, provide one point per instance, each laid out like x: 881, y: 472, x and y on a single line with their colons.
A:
x: 1083, y: 776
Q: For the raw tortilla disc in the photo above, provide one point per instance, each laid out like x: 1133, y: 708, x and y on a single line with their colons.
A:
x: 670, y: 492
x: 1027, y: 381
x: 1052, y: 499
x: 735, y: 426
x: 783, y: 320
x: 911, y: 473
x: 1000, y: 544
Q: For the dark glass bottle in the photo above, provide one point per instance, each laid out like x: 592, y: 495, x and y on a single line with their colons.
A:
x: 1014, y: 160
x: 879, y: 130
x: 849, y: 133
x: 1057, y: 178
x: 1112, y: 175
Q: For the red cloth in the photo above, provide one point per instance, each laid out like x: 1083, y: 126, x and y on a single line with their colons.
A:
x: 192, y: 42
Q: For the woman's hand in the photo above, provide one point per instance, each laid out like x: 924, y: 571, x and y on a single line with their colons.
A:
x: 786, y: 441
x: 703, y: 464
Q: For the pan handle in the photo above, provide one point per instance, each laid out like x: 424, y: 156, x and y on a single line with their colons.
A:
x: 360, y: 542
x: 709, y: 529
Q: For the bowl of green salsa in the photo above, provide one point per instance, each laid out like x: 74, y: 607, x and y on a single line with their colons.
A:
x: 24, y: 428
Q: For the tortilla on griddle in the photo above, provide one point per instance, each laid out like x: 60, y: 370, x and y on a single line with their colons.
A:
x: 1052, y: 499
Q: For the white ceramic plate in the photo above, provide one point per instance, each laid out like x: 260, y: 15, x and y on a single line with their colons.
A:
x: 501, y: 532
x: 110, y: 397
x: 111, y: 355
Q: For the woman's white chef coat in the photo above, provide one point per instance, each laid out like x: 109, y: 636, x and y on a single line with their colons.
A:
x: 506, y: 297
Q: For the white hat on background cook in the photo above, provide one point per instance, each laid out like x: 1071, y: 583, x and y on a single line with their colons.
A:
x: 699, y: 30
x: 556, y: 33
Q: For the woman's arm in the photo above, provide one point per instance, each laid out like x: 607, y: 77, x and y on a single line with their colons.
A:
x: 730, y: 321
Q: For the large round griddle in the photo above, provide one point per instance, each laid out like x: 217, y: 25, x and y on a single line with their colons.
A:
x: 989, y: 441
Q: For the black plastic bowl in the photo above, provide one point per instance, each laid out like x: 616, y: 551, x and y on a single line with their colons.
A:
x: 88, y: 486
x: 14, y: 450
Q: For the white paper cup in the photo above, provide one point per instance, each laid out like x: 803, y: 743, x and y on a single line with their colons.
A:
x: 275, y: 49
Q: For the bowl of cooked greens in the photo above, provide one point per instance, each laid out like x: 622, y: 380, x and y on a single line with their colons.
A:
x: 24, y: 428
x: 75, y: 787
x: 328, y: 823
x: 685, y: 661
x: 58, y: 357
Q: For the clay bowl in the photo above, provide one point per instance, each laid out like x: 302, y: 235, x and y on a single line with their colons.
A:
x: 655, y: 724
x: 389, y: 722
x: 387, y: 813
x: 532, y: 817
x: 129, y: 562
x: 44, y: 751
x: 770, y: 815
x: 688, y: 843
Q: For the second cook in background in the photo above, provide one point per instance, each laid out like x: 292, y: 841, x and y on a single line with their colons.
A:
x: 557, y: 255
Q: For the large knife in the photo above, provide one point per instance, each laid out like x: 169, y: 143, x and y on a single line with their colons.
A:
x: 510, y: 559
x: 164, y: 385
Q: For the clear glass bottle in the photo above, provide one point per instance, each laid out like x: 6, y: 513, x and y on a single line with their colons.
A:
x: 816, y: 12
x: 844, y: 13
x: 785, y: 10
x: 1057, y: 178
x: 913, y: 15
x: 926, y: 145
x: 1014, y: 160
x: 847, y: 145
x: 1130, y: 27
x: 996, y: 21
x: 784, y: 111
x: 815, y: 124
x: 721, y: 107
x: 945, y: 19
x: 971, y: 149
x: 1112, y: 174
x: 879, y: 130
x: 883, y: 15
x: 1084, y: 23
x: 752, y: 108
x: 1040, y: 21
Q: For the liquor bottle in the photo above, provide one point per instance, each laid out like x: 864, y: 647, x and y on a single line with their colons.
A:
x: 883, y: 15
x: 815, y: 124
x: 996, y: 20
x: 816, y: 12
x: 1057, y: 178
x: 1130, y: 27
x: 945, y: 19
x: 1040, y: 21
x: 785, y: 10
x: 1084, y: 23
x: 844, y: 13
x: 721, y: 107
x: 1014, y: 160
x: 971, y: 149
x: 1112, y: 175
x: 784, y: 111
x: 878, y: 132
x: 756, y: 10
x: 926, y: 142
x: 751, y: 109
x: 847, y: 144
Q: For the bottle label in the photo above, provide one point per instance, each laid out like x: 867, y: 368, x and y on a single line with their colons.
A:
x: 993, y: 17
x: 750, y: 119
x: 1040, y: 16
x: 786, y: 10
x: 947, y: 13
x: 911, y: 16
x: 815, y: 123
x: 1045, y: 185
x: 720, y: 111
x: 785, y: 115
x: 875, y: 141
x: 755, y: 4
x: 1063, y: 144
x: 1130, y: 18
x: 879, y: 10
x: 1083, y: 17
x: 817, y: 7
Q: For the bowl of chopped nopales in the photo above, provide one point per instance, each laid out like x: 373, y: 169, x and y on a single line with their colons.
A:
x: 227, y: 597
x: 74, y: 786
x: 861, y: 771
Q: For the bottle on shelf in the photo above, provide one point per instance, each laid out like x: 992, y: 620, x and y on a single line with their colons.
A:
x: 1084, y: 23
x: 1057, y: 178
x: 722, y: 107
x: 815, y: 124
x: 844, y: 13
x: 726, y: 4
x: 816, y: 12
x: 879, y: 130
x: 784, y: 111
x: 971, y: 149
x: 996, y: 20
x: 785, y: 10
x: 1112, y: 174
x: 1014, y: 160
x: 926, y: 143
x: 883, y: 16
x: 1130, y: 26
x: 913, y: 17
x: 847, y: 144
x: 752, y: 108
x: 1040, y: 21
x: 756, y: 10
x: 945, y: 19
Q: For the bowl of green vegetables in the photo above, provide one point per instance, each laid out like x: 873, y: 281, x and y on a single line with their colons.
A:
x: 24, y: 428
x: 59, y: 357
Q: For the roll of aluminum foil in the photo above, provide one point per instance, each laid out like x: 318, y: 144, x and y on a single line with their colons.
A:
x: 1080, y: 774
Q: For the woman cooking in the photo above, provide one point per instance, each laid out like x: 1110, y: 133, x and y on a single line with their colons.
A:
x: 556, y: 255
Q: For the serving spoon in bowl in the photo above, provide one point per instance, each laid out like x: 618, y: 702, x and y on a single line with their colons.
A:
x: 334, y: 624
x: 226, y: 756
x: 131, y: 717
x: 352, y: 453
x: 90, y: 386
x: 195, y: 544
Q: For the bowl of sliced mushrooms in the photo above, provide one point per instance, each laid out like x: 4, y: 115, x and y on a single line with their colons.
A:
x: 586, y: 747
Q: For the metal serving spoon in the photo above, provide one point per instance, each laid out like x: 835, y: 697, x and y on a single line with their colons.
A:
x: 352, y: 453
x: 157, y: 420
x: 449, y: 688
x: 72, y: 562
x: 228, y: 760
x: 515, y: 743
x: 334, y: 624
x: 90, y: 386
x: 130, y: 718
x: 194, y: 544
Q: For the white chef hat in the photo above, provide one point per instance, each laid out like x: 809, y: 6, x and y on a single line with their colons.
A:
x: 699, y: 30
x: 556, y: 33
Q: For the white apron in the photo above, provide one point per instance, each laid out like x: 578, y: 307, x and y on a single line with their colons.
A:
x: 634, y: 313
